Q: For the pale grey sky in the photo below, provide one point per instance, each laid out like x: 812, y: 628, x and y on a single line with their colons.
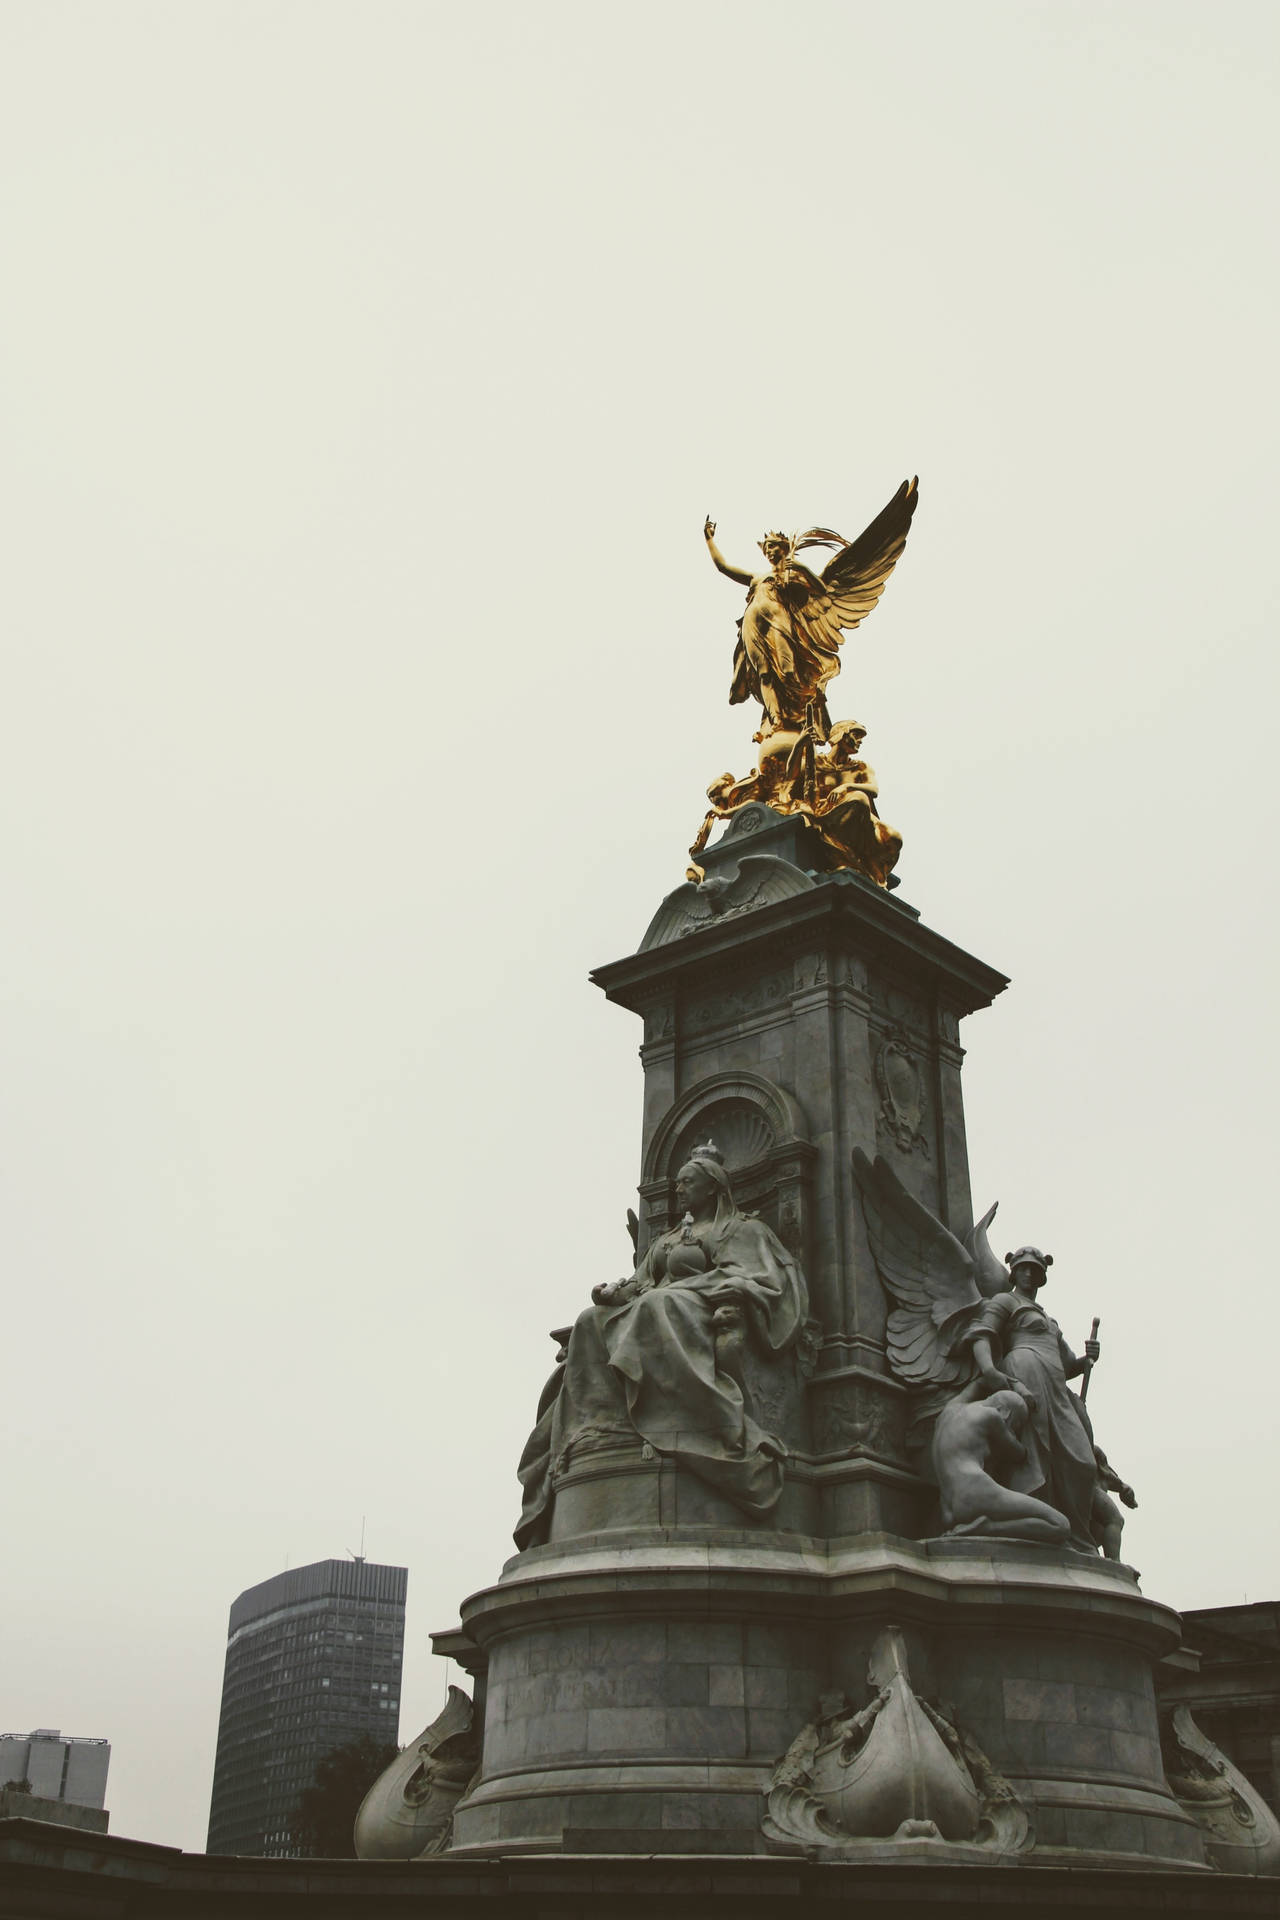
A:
x: 366, y: 372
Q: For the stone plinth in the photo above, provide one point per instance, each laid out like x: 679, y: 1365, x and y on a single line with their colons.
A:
x: 623, y: 1487
x: 793, y: 1017
x: 663, y: 1675
x: 641, y: 1688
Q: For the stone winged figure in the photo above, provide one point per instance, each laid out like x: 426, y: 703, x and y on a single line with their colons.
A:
x: 789, y: 636
x: 965, y: 1325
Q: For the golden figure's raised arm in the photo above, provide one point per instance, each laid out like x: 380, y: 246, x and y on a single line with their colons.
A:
x: 739, y: 574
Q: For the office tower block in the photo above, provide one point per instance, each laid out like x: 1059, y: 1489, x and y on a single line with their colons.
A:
x: 313, y: 1661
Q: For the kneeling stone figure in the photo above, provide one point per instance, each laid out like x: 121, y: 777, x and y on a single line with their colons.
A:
x: 970, y: 1436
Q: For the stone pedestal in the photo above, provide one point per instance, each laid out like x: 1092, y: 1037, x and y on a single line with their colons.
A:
x: 642, y: 1687
x: 642, y: 1674
x: 794, y: 1016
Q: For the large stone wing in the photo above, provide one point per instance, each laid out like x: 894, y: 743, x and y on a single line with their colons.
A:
x: 989, y: 1270
x: 924, y: 1270
x: 856, y: 576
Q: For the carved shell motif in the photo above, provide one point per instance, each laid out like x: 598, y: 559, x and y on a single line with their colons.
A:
x: 901, y: 1086
x: 741, y: 1132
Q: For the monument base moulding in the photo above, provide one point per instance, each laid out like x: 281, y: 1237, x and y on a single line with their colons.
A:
x: 641, y: 1689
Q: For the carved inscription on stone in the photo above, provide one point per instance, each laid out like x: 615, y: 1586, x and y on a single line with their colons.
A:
x: 736, y: 1003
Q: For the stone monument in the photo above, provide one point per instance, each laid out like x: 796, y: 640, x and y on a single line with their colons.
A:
x: 818, y: 1554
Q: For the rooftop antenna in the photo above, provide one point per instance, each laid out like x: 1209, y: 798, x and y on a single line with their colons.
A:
x: 359, y: 1557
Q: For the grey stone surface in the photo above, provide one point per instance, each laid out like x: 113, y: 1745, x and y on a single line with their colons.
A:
x: 629, y: 1684
x: 612, y: 1810
x: 726, y: 1686
x: 628, y: 1730
x: 1130, y: 1753
x: 725, y: 1812
x: 637, y: 1641
x: 57, y: 1874
x: 1107, y: 1707
x: 769, y: 1732
x: 705, y: 1640
x: 57, y: 1813
x: 710, y: 1657
x: 691, y: 1732
x: 1087, y: 1749
x: 551, y: 1651
x: 767, y: 1687
x: 1039, y: 1700
x: 686, y: 1686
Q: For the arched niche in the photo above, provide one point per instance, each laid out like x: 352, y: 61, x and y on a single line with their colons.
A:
x: 761, y: 1131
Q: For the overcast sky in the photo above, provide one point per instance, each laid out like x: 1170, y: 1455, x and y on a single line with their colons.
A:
x: 366, y: 371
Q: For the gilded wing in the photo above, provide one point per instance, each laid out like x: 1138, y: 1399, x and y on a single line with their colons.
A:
x: 925, y: 1270
x: 857, y: 575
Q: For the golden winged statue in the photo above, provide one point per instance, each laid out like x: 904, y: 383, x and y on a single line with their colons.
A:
x: 789, y: 637
x: 788, y: 650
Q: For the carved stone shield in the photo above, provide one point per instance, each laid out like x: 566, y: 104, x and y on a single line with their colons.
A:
x: 901, y: 1086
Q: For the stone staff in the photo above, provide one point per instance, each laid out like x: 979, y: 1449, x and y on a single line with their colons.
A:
x: 1093, y: 1335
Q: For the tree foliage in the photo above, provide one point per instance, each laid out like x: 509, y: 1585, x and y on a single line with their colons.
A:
x: 326, y: 1812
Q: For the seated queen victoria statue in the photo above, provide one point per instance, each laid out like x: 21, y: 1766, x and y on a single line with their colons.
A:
x: 654, y: 1359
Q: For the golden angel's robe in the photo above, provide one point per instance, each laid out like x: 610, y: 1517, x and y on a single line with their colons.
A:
x: 786, y: 651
